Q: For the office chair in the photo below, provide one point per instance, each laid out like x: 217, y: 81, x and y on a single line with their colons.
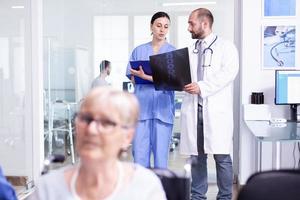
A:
x: 272, y: 185
x: 7, y: 191
x: 176, y: 187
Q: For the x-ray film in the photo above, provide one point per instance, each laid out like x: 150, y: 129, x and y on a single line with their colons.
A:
x: 171, y: 70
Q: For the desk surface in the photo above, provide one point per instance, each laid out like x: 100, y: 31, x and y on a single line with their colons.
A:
x: 266, y: 131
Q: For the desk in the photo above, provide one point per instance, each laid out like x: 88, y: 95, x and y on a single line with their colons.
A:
x: 264, y: 131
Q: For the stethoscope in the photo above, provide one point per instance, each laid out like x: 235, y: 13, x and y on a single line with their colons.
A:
x: 290, y: 43
x: 204, y: 52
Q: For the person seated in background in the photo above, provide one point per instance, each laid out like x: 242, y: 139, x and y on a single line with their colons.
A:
x: 105, y: 69
x: 7, y: 192
x: 105, y: 126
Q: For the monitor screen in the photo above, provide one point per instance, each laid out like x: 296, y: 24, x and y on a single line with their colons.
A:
x: 287, y: 87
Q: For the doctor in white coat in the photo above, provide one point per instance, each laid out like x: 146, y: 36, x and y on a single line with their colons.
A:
x: 207, y: 107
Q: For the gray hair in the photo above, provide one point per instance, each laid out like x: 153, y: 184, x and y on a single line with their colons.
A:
x: 125, y: 102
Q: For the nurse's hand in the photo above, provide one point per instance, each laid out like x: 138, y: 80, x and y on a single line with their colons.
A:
x: 140, y: 73
x: 192, y: 88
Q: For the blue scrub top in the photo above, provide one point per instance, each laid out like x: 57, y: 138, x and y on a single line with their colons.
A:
x: 154, y: 104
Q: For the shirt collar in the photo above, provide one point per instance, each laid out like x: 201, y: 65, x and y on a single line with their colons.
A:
x: 208, y: 39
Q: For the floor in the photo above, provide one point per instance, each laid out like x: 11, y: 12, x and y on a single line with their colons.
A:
x: 177, y: 162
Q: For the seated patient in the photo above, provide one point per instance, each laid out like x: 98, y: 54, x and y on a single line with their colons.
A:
x: 104, y: 126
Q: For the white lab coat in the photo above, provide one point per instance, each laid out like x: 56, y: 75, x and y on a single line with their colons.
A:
x: 217, y: 93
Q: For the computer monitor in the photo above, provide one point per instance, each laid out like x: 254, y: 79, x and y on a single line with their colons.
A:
x: 287, y: 90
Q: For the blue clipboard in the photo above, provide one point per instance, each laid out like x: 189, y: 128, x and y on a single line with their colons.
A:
x: 146, y: 67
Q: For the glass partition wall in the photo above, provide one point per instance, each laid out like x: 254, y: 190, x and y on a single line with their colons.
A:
x: 14, y: 89
x: 79, y: 34
x: 20, y: 108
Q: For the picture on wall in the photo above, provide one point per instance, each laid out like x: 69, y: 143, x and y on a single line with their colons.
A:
x: 278, y: 47
x: 279, y: 8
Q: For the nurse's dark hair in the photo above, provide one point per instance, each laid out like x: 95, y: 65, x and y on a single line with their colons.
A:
x: 203, y: 12
x: 159, y: 15
x: 103, y: 65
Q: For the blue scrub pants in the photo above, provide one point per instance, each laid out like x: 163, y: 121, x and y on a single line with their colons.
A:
x: 199, y: 169
x: 152, y: 136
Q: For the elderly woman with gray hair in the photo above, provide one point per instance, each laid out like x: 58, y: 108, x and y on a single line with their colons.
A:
x: 105, y: 126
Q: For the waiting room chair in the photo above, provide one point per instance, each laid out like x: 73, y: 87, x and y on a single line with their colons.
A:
x: 177, y: 187
x: 272, y: 185
x: 7, y: 191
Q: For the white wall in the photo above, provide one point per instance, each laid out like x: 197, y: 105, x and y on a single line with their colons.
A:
x: 254, y: 79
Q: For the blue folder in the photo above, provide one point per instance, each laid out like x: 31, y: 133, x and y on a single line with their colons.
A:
x: 146, y: 67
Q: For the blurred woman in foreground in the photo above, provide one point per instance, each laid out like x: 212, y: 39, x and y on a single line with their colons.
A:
x: 105, y: 126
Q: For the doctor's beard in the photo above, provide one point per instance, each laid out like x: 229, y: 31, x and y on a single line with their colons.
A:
x: 198, y: 35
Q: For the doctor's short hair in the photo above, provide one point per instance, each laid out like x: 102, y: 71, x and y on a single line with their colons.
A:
x: 103, y: 65
x: 203, y: 12
x: 124, y: 103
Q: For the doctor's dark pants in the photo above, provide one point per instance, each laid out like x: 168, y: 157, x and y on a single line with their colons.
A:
x: 154, y: 136
x: 199, y: 169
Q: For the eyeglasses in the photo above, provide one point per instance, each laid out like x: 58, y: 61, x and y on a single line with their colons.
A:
x: 101, y: 124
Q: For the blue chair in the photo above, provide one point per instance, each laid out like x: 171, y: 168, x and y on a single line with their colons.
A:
x: 7, y: 192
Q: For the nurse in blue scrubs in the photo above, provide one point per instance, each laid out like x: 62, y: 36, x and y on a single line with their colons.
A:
x: 154, y: 130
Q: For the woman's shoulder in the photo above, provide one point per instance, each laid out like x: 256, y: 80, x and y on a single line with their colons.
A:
x: 52, y: 185
x: 53, y: 173
x: 142, y: 46
x: 141, y: 52
x: 143, y: 184
x: 137, y: 173
x: 54, y: 179
x: 143, y: 174
x: 170, y: 46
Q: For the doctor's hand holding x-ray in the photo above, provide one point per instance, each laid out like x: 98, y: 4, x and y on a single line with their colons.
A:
x: 192, y: 88
x: 207, y: 107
